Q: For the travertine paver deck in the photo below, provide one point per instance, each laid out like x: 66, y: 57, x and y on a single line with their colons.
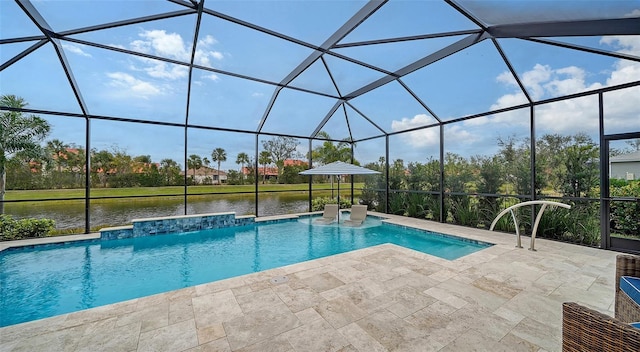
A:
x: 383, y: 298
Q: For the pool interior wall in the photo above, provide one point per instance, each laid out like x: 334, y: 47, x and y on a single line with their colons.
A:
x: 98, y: 272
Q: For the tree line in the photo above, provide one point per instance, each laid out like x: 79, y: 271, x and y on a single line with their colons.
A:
x: 566, y: 166
x: 479, y: 187
x: 29, y: 161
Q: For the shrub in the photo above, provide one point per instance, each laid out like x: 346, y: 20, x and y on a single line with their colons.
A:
x: 580, y: 224
x: 488, y: 209
x: 317, y: 204
x: 416, y: 205
x: 625, y: 215
x: 11, y: 229
x: 432, y: 207
x: 463, y: 210
x: 396, y: 203
x: 616, y: 183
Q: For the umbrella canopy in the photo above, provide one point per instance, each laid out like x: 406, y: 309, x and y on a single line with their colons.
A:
x: 339, y: 168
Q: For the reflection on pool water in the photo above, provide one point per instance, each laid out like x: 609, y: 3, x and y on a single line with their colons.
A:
x: 47, y: 280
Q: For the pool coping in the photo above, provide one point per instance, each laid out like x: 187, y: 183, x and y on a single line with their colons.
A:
x: 391, y: 219
x: 385, y: 219
x: 96, y: 235
x: 487, y: 282
x: 466, y: 287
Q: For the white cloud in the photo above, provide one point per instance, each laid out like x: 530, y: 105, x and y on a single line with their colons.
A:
x: 257, y: 95
x: 532, y: 80
x: 141, y: 46
x: 624, y: 44
x: 164, y: 44
x: 544, y: 81
x: 634, y: 13
x: 420, y: 138
x: 624, y: 70
x: 507, y: 78
x: 457, y: 135
x: 159, y: 69
x: 208, y: 40
x: 203, y: 57
x: 145, y: 77
x: 406, y: 123
x: 212, y: 77
x: 204, y: 54
x: 430, y: 137
x: 217, y: 55
x: 172, y: 46
x: 128, y: 86
x: 75, y: 49
x: 508, y: 100
x: 569, y: 80
x: 571, y: 116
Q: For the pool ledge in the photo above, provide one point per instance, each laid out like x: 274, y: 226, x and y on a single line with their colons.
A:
x: 48, y: 240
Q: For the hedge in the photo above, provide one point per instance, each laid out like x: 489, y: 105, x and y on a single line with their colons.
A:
x: 12, y: 229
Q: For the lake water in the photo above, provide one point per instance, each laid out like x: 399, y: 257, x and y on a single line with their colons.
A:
x: 70, y: 214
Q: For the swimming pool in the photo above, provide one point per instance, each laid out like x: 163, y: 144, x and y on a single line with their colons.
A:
x: 46, y: 280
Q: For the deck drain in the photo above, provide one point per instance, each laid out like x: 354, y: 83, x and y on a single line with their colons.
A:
x: 279, y: 280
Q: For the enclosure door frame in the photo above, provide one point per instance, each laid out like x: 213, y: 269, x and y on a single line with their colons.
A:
x: 608, y: 242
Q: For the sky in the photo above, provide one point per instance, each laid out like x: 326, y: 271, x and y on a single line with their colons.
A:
x: 469, y: 82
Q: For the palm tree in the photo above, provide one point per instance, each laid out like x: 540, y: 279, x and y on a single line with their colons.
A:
x: 57, y: 150
x: 19, y: 134
x: 264, y: 160
x: 219, y: 155
x: 206, y: 162
x: 328, y: 152
x: 75, y: 162
x: 102, y: 163
x: 194, y: 162
x: 170, y: 170
x: 142, y: 163
x: 242, y: 158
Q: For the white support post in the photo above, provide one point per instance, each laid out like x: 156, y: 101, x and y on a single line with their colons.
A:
x: 535, y: 227
x: 511, y: 209
x: 515, y: 222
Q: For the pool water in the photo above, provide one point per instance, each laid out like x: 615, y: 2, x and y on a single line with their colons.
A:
x: 42, y: 281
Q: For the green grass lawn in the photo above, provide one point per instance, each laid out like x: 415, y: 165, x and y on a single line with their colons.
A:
x: 169, y: 190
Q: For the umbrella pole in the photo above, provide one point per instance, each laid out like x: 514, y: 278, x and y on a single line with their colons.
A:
x: 338, y: 199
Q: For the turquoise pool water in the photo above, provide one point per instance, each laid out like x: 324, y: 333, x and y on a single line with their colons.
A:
x: 42, y: 281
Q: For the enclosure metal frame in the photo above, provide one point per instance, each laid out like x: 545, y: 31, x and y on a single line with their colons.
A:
x: 532, y: 31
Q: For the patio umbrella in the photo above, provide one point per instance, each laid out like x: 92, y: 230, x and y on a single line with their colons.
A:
x: 339, y: 168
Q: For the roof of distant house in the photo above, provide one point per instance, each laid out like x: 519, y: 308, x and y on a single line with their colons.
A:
x: 203, y: 171
x: 273, y: 170
x: 635, y: 156
x: 269, y: 171
x: 295, y: 162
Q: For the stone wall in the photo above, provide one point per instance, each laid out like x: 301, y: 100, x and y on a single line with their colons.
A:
x: 175, y: 224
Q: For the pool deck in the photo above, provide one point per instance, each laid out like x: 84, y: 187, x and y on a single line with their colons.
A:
x: 382, y: 298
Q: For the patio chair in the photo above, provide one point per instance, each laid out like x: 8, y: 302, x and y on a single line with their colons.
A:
x: 626, y: 309
x: 358, y: 214
x: 584, y: 329
x: 329, y: 215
